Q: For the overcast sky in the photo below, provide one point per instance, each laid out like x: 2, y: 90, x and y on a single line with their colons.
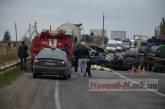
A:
x: 134, y: 16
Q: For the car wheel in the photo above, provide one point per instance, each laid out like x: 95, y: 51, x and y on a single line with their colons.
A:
x: 69, y: 76
x: 149, y: 67
x: 153, y: 68
x: 65, y: 77
x: 102, y: 63
x: 32, y: 66
x: 35, y: 75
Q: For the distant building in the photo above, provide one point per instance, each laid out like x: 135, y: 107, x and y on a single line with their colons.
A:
x: 118, y: 35
x: 98, y: 32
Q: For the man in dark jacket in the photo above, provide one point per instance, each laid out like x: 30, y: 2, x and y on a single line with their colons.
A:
x: 66, y: 49
x: 82, y: 54
x: 23, y: 54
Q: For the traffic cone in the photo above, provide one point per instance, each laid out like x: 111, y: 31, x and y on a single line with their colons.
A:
x: 143, y: 69
x: 139, y: 68
x: 133, y: 70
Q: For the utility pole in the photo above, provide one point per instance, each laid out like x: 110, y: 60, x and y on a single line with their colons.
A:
x: 103, y: 31
x: 16, y: 31
x: 35, y: 28
x: 50, y: 28
x: 29, y: 30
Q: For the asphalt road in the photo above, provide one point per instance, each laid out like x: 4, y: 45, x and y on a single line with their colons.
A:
x: 55, y: 93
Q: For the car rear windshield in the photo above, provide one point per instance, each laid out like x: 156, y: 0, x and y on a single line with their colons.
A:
x: 144, y: 44
x: 55, y: 54
x: 111, y: 45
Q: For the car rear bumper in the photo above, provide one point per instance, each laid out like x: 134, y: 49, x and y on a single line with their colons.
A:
x: 110, y: 50
x: 119, y: 49
x: 50, y: 70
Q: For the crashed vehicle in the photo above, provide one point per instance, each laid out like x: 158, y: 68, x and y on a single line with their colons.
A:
x: 116, y: 63
x: 119, y: 47
x: 98, y: 59
x: 110, y: 48
x: 97, y: 55
x: 130, y: 59
x: 123, y: 61
x: 96, y: 50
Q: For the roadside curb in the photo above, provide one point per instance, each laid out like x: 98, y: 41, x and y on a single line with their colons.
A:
x: 9, y: 66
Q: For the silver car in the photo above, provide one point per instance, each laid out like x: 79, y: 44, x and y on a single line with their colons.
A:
x: 51, y: 61
x: 110, y: 48
x: 119, y: 47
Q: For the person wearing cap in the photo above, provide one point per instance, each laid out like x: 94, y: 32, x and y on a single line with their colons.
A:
x: 83, y: 56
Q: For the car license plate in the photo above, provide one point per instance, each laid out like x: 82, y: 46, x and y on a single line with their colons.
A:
x: 49, y: 63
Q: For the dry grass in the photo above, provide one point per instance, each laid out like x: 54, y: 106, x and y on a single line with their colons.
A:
x: 8, y: 55
x: 7, y: 58
x: 9, y: 76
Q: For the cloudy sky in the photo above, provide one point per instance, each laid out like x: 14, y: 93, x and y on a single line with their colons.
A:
x: 134, y: 16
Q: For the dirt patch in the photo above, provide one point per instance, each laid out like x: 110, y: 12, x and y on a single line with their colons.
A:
x: 20, y: 94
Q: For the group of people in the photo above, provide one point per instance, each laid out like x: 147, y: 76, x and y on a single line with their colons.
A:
x: 82, y: 61
x: 81, y: 53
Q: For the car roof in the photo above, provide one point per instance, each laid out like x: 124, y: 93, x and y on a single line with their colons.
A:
x: 52, y: 53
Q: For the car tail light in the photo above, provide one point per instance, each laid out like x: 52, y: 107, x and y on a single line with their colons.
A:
x: 157, y: 62
x: 37, y: 61
x: 34, y: 55
x: 62, y: 62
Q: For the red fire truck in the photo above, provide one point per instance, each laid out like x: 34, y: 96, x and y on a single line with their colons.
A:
x: 48, y: 39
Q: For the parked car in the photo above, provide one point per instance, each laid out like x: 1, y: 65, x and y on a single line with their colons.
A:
x: 126, y: 45
x: 111, y: 48
x: 119, y: 47
x: 51, y: 61
x: 142, y: 47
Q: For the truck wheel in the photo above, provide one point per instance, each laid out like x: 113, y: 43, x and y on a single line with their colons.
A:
x: 153, y: 68
x: 69, y: 76
x: 32, y: 66
x: 149, y: 67
x: 65, y: 77
x: 102, y: 63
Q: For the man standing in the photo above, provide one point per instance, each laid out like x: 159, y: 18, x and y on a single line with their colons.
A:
x: 66, y: 49
x: 23, y: 54
x: 83, y: 57
x: 75, y: 54
x: 88, y: 69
